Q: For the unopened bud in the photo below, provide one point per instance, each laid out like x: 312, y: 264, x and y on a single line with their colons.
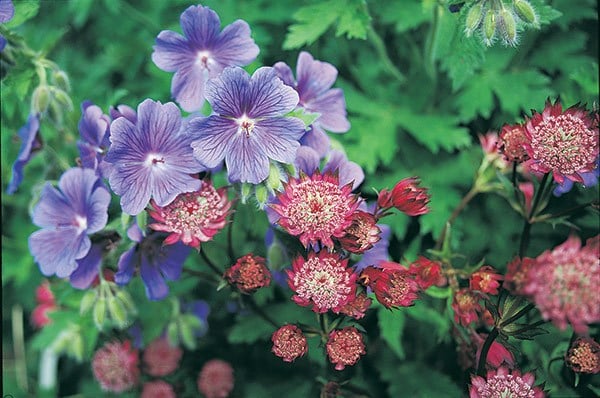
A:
x: 62, y: 98
x: 87, y: 301
x: 262, y: 194
x: 473, y: 19
x: 40, y: 99
x: 186, y: 331
x: 61, y: 80
x: 117, y: 312
x: 525, y: 11
x: 100, y: 312
x: 274, y: 179
x: 508, y: 27
x: 246, y: 190
x: 173, y: 333
x: 126, y: 300
x: 489, y: 27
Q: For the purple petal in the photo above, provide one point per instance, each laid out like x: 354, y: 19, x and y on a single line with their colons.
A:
x: 307, y: 160
x: 123, y: 111
x: 215, y: 134
x: 167, y: 185
x: 278, y: 137
x: 332, y: 108
x: 171, y: 259
x: 30, y: 142
x: 245, y: 160
x: 135, y: 233
x: 234, y: 46
x: 284, y: 72
x: 348, y: 171
x: 93, y: 126
x: 56, y: 251
x: 227, y: 93
x: 133, y: 188
x: 172, y: 51
x: 97, y: 209
x: 127, y: 263
x: 77, y: 184
x: 157, y: 123
x: 314, y: 77
x: 7, y: 10
x: 2, y: 43
x: 317, y: 139
x: 201, y: 26
x: 53, y: 209
x: 187, y: 87
x: 156, y: 287
x: 268, y: 95
x: 87, y: 268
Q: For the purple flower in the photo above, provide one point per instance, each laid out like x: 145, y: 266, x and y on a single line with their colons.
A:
x: 95, y: 138
x: 315, y: 79
x: 87, y: 267
x: 151, y: 158
x: 590, y: 179
x: 30, y: 143
x: 348, y: 171
x: 123, y: 111
x: 247, y: 129
x: 7, y: 11
x: 67, y: 217
x: 202, y: 54
x: 200, y: 309
x: 155, y: 261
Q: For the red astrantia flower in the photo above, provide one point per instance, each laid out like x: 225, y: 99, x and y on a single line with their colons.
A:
x: 504, y: 383
x: 563, y: 284
x: 193, y: 217
x: 43, y: 294
x: 516, y: 274
x: 323, y: 281
x: 584, y: 356
x: 248, y: 274
x: 427, y: 272
x: 563, y: 143
x: 361, y: 234
x: 315, y: 208
x: 410, y: 198
x: 215, y: 380
x: 512, y: 139
x: 344, y: 347
x: 289, y: 343
x: 157, y: 389
x: 485, y: 280
x: 357, y: 307
x: 161, y: 358
x: 392, y: 284
x: 115, y: 366
x: 466, y: 306
x: 39, y: 316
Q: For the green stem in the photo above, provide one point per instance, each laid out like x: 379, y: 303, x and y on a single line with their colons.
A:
x: 432, y: 44
x: 230, y: 252
x: 516, y: 316
x: 459, y: 208
x: 200, y: 274
x: 19, y: 346
x: 381, y: 51
x: 209, y: 262
x: 525, y: 234
x: 485, y: 350
x: 259, y: 311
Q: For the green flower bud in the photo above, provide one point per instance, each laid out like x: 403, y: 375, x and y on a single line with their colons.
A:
x: 262, y: 194
x: 87, y: 302
x: 473, y: 19
x: 62, y: 98
x: 61, y: 80
x: 525, y: 11
x: 274, y: 179
x: 186, y: 332
x: 40, y: 99
x: 173, y: 333
x: 489, y: 27
x: 508, y: 27
x: 100, y: 312
x: 117, y: 312
x: 246, y: 190
x: 125, y: 298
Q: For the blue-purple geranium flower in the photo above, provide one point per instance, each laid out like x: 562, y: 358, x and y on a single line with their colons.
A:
x: 202, y: 53
x: 95, y: 138
x: 154, y: 260
x: 248, y: 128
x: 67, y: 216
x: 7, y: 11
x: 151, y: 158
x: 30, y: 143
x: 314, y: 81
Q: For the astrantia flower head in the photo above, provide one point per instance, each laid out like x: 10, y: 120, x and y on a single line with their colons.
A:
x: 392, y: 284
x: 115, y: 366
x: 503, y: 382
x: 215, y: 380
x: 466, y: 306
x: 516, y: 274
x: 67, y: 217
x: 485, y: 280
x: 357, y: 307
x: 30, y: 143
x: 563, y: 284
x: 202, y: 53
x: 406, y: 196
x: 563, y: 143
x: 193, y: 217
x: 248, y: 274
x: 361, y: 234
x: 511, y: 143
x: 315, y: 208
x: 323, y: 281
x: 161, y: 358
x: 150, y: 158
x: 584, y: 356
x: 379, y: 251
x: 157, y: 389
x: 345, y: 347
x: 155, y: 260
x: 427, y: 272
x: 314, y: 81
x: 289, y: 343
x: 248, y: 128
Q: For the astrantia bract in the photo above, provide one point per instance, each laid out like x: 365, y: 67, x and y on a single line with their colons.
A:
x: 248, y: 128
x: 503, y: 382
x: 151, y: 158
x: 67, y: 217
x: 202, y: 54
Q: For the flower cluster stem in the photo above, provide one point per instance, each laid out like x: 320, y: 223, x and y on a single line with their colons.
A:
x: 541, y: 192
x: 485, y: 350
x: 459, y: 208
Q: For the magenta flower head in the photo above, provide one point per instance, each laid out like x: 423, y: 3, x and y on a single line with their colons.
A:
x: 314, y: 81
x: 151, y: 158
x: 503, y: 382
x: 202, y: 53
x: 248, y: 128
x: 67, y: 216
x: 155, y: 261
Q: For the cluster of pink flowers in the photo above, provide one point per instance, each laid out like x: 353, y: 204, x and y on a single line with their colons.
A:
x: 248, y: 274
x: 45, y: 304
x: 116, y: 366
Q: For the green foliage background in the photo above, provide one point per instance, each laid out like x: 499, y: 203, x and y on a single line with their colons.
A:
x: 418, y: 92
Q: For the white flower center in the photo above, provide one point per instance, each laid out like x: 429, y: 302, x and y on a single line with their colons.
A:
x: 80, y: 223
x: 203, y: 58
x: 246, y: 125
x: 154, y: 160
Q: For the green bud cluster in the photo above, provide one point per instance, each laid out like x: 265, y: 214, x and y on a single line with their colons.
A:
x: 182, y: 328
x: 261, y: 192
x: 110, y: 304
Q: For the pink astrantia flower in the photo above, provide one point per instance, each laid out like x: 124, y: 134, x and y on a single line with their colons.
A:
x: 161, y: 358
x: 516, y: 274
x: 323, y: 281
x: 563, y: 284
x: 344, y: 347
x: 357, y: 307
x: 466, y: 306
x: 511, y: 143
x: 393, y: 284
x: 157, y: 389
x: 584, y: 356
x: 504, y: 383
x: 315, y: 208
x: 485, y: 280
x: 248, y: 274
x: 406, y: 196
x: 289, y: 343
x: 193, y: 217
x: 215, y: 380
x: 427, y: 273
x: 563, y: 143
x: 361, y: 234
x: 115, y: 366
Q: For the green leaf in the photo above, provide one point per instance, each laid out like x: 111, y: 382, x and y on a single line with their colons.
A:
x: 308, y: 29
x: 391, y: 326
x: 417, y: 380
x: 354, y: 20
x: 545, y: 12
x: 440, y: 323
x: 405, y: 15
x: 24, y: 11
x: 435, y: 131
x: 465, y: 56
